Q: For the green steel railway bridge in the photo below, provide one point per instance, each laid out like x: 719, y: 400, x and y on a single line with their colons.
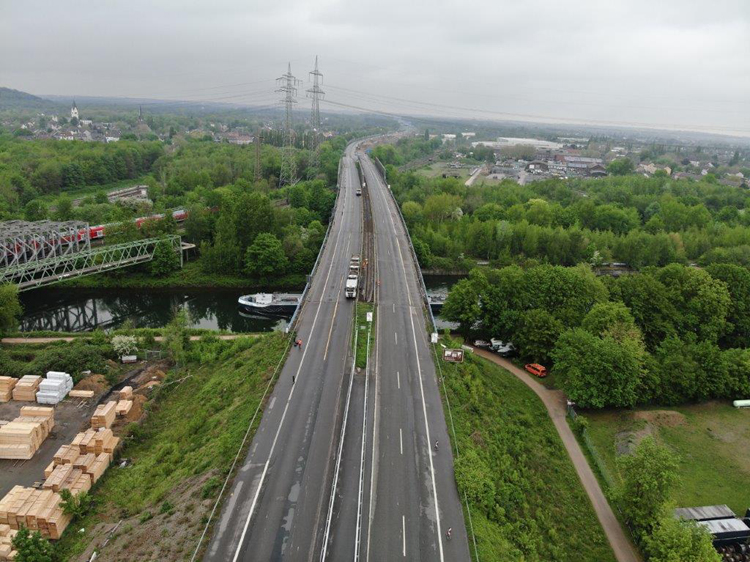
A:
x: 37, y: 254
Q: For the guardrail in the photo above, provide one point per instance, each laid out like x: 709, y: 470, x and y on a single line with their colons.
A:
x: 292, y: 323
x: 423, y: 288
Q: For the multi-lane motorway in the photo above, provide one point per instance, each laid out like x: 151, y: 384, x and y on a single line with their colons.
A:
x: 343, y: 465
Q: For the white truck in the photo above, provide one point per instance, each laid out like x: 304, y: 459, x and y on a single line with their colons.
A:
x: 352, y: 278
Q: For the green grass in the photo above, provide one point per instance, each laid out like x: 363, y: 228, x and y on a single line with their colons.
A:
x: 193, y: 428
x: 362, y: 338
x: 437, y: 169
x: 92, y: 190
x: 713, y: 444
x: 189, y: 277
x: 527, y: 502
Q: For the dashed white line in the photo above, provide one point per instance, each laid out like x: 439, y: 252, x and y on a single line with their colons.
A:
x: 398, y: 379
x: 403, y: 534
x: 401, y: 440
x: 395, y: 334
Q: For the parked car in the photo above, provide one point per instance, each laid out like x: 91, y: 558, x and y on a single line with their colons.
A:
x: 536, y: 369
x: 481, y: 343
x: 504, y: 349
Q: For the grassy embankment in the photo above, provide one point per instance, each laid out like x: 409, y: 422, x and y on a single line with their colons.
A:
x: 180, y: 454
x: 712, y: 441
x: 363, y: 329
x: 92, y: 190
x: 527, y: 502
x: 189, y: 277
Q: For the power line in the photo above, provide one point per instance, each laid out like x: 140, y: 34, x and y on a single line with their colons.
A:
x: 288, y: 86
x: 316, y: 93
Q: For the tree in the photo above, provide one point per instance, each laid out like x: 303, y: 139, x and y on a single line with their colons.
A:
x: 462, y: 305
x: 124, y: 345
x: 536, y: 334
x: 176, y: 336
x: 10, y: 307
x: 35, y: 211
x: 677, y: 540
x: 165, y: 259
x: 621, y: 167
x: 32, y: 547
x: 597, y: 372
x: 610, y: 318
x: 737, y: 280
x: 78, y: 505
x: 649, y: 473
x: 265, y: 257
x: 63, y: 209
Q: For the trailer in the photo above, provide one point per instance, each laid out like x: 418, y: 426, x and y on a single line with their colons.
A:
x: 352, y: 278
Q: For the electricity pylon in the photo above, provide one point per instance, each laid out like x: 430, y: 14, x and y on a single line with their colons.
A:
x: 288, y: 86
x: 315, y: 93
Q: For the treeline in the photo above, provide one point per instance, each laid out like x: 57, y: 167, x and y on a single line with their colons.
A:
x: 29, y: 169
x: 632, y: 219
x: 664, y: 336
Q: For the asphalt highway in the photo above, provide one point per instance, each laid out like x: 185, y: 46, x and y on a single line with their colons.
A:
x: 278, y: 502
x: 397, y: 501
x: 343, y: 465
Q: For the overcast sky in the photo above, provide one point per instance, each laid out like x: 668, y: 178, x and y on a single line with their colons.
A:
x: 666, y: 63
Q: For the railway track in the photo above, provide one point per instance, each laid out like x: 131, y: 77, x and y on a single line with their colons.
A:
x: 367, y: 286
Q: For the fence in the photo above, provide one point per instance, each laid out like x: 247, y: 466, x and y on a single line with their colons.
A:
x: 601, y: 467
x: 423, y: 287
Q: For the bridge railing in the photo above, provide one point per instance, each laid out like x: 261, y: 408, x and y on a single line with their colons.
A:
x: 292, y: 323
x: 44, y: 272
x: 423, y: 288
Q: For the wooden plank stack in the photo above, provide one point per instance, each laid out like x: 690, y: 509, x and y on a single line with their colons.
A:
x: 123, y: 407
x: 39, y: 510
x: 6, y: 540
x: 6, y: 388
x: 104, y: 415
x: 21, y: 438
x: 67, y: 476
x: 81, y: 394
x: 126, y: 393
x: 26, y: 388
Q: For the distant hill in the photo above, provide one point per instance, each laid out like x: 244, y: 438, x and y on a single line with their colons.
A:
x: 15, y: 99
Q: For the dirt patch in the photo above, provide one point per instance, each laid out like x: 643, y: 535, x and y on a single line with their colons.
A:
x: 644, y: 424
x: 97, y: 383
x: 165, y: 532
x: 661, y: 418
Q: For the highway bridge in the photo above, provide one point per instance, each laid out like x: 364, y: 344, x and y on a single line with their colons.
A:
x: 343, y: 464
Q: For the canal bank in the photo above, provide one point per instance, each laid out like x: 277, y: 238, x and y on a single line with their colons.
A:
x: 81, y: 310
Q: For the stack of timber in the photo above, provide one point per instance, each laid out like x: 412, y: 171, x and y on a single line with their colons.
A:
x: 96, y: 442
x: 21, y: 438
x: 68, y: 477
x: 81, y: 394
x: 104, y: 416
x: 126, y: 393
x: 38, y: 510
x: 6, y: 543
x: 54, y: 388
x: 26, y: 388
x: 6, y: 388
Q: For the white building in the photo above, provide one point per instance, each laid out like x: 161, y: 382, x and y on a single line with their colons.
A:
x: 74, y: 111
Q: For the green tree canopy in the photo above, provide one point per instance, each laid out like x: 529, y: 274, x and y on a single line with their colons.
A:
x: 266, y: 257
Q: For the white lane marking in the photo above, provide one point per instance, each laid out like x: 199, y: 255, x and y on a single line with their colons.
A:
x: 403, y: 533
x: 398, y: 379
x: 286, y: 409
x: 394, y: 307
x: 401, y: 440
x: 421, y: 385
x: 396, y: 336
x: 335, y: 308
x: 273, y: 401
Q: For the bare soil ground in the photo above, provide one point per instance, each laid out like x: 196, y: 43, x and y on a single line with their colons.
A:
x: 170, y: 533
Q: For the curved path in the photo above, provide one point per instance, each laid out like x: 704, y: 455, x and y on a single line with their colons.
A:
x: 556, y: 404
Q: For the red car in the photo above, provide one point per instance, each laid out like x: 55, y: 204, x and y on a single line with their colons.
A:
x: 536, y: 369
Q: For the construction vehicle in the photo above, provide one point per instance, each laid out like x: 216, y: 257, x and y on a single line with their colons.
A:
x: 352, y: 278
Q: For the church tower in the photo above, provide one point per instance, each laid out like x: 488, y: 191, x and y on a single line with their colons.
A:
x: 74, y: 110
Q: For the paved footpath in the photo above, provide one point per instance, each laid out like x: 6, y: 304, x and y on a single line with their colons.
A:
x: 556, y: 404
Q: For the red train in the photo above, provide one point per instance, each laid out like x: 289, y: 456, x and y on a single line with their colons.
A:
x: 97, y: 232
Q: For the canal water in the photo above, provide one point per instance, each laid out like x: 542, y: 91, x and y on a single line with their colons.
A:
x: 82, y: 311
